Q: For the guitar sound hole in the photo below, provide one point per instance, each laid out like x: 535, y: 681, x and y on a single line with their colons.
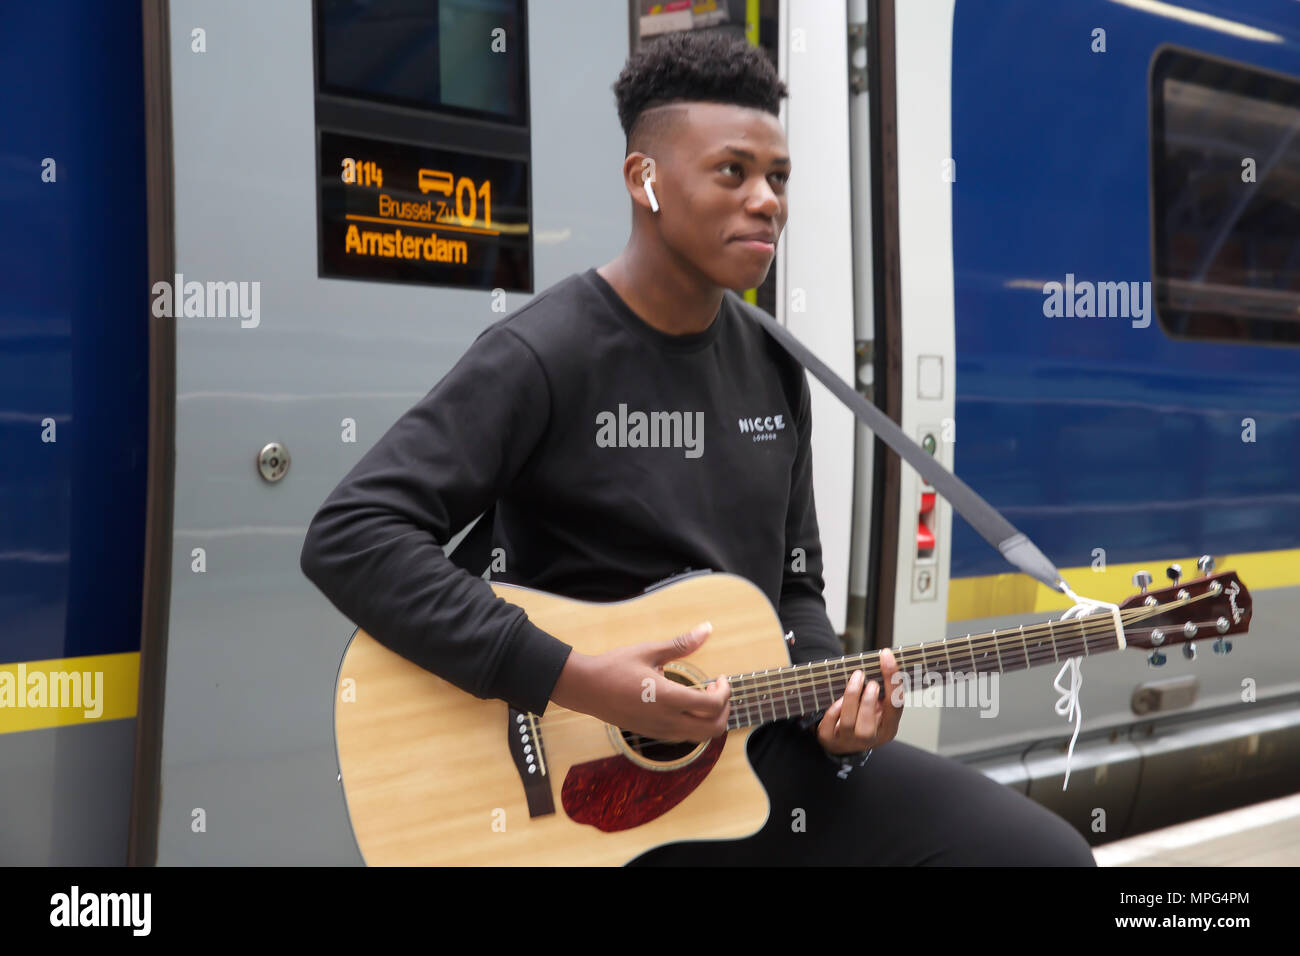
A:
x: 661, y: 751
x: 657, y: 751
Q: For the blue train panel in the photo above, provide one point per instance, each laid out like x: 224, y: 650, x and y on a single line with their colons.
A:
x: 73, y: 329
x: 1086, y: 431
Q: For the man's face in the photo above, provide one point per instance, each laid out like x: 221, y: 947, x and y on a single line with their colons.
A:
x: 721, y: 190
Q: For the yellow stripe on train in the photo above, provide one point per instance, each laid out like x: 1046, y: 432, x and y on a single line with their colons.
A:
x: 70, y: 690
x: 1014, y: 593
x: 85, y: 690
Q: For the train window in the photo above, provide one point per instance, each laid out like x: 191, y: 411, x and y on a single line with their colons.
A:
x: 1226, y: 199
x: 423, y: 144
x: 459, y: 56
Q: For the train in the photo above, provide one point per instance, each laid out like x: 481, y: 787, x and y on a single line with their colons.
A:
x: 1058, y: 243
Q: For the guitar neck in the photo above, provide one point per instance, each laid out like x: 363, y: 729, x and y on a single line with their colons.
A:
x: 765, y: 696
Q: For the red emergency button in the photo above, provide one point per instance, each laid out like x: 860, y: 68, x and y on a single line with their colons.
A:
x: 924, y: 537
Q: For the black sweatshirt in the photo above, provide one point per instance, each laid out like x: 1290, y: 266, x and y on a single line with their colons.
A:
x: 617, y: 455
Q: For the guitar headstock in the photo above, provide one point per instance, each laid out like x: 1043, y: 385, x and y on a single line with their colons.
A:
x: 1210, y: 607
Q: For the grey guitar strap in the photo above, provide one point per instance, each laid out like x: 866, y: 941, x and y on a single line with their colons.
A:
x: 1014, y: 545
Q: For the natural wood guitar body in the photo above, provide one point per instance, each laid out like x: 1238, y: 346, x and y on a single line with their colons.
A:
x: 429, y: 775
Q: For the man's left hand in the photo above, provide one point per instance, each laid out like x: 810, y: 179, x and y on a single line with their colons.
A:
x: 862, y: 720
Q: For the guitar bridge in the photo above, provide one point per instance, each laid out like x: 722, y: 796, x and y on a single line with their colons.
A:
x: 524, y: 732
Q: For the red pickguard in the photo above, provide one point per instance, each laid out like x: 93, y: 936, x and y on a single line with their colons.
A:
x: 615, y: 794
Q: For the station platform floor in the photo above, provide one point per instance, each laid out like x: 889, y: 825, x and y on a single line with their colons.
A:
x: 1262, y: 834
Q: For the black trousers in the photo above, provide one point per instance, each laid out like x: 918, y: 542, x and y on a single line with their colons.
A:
x: 904, y: 807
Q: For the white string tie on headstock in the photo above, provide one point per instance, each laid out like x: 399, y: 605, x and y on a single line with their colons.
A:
x: 1068, y: 705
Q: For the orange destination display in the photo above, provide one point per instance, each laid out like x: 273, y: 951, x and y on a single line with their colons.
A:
x: 406, y: 213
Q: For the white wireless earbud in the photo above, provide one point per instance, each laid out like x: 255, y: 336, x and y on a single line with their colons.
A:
x: 647, y: 177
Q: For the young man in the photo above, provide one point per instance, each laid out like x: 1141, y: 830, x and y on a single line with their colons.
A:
x: 534, y: 420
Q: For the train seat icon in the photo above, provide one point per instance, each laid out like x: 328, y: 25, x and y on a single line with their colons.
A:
x: 435, y: 181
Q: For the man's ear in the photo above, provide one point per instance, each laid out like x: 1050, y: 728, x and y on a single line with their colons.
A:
x: 640, y: 171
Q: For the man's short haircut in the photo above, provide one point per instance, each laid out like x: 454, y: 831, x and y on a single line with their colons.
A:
x: 691, y: 66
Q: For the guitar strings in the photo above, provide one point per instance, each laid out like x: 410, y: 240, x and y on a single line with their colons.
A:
x: 765, y: 685
x: 1082, y: 630
x: 762, y: 718
x: 1087, y: 628
x: 778, y: 692
x: 1094, y: 625
x: 779, y: 701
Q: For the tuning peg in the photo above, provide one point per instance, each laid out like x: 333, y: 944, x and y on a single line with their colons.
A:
x: 1174, y: 572
x: 1156, y: 659
x: 1205, y: 564
x: 1222, y: 647
x: 1189, y: 650
x: 1143, y: 580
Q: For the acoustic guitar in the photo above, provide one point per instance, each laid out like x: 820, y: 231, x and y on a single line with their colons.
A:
x: 435, y: 776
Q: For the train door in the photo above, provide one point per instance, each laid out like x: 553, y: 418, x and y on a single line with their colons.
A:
x: 902, y: 179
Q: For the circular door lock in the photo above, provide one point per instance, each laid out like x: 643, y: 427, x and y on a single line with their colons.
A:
x: 273, y: 461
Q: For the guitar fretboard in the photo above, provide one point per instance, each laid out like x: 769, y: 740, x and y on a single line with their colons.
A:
x: 764, y: 696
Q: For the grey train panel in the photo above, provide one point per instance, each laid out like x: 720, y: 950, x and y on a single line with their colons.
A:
x: 78, y: 815
x: 254, y: 649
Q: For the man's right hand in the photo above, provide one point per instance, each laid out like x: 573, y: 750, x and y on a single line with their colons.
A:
x: 626, y: 687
